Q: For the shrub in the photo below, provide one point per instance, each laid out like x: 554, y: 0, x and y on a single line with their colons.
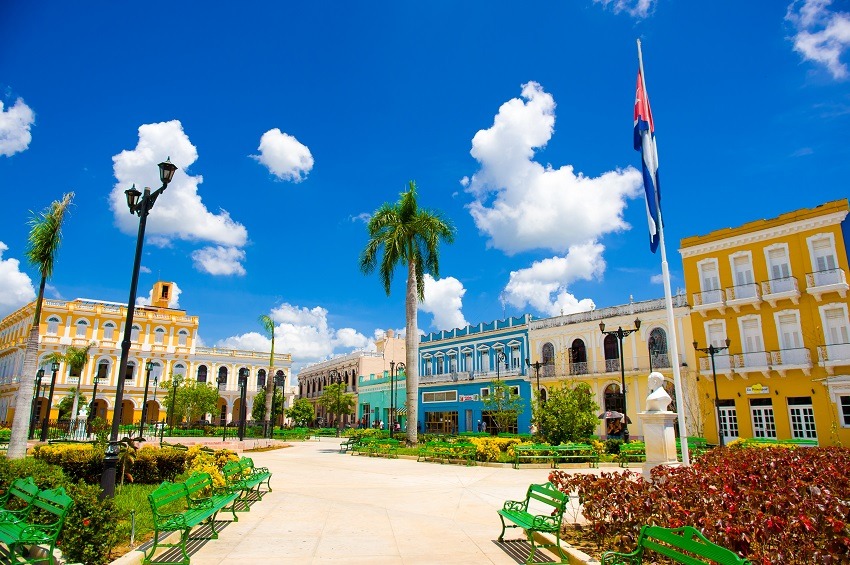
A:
x: 152, y: 465
x: 79, y: 461
x: 782, y: 506
x: 45, y: 475
x: 612, y: 446
x: 494, y: 448
x: 89, y: 532
x: 199, y: 460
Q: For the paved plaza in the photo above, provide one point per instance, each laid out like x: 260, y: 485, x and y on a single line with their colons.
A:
x: 328, y: 507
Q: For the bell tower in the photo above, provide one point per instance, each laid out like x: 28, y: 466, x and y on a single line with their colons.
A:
x: 162, y: 294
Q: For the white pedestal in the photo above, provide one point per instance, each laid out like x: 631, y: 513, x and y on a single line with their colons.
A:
x: 660, y: 438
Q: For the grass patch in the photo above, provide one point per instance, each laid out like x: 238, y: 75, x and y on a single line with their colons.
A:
x: 127, y: 498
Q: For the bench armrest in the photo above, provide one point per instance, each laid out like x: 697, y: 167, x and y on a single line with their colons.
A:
x: 616, y: 558
x: 515, y: 505
x: 548, y: 522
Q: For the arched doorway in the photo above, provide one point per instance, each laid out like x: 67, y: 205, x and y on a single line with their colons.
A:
x: 236, y: 415
x: 153, y: 411
x: 613, y: 399
x: 100, y: 409
x: 612, y: 354
x: 221, y: 411
x: 578, y: 358
x: 128, y: 412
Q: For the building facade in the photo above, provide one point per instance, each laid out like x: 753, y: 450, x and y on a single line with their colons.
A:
x: 777, y: 290
x: 456, y: 368
x: 365, y: 376
x: 165, y: 336
x: 572, y: 348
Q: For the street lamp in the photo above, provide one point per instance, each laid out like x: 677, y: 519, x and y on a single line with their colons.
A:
x: 395, y: 369
x: 536, y: 365
x: 335, y: 377
x: 711, y: 350
x: 38, y: 376
x: 279, y: 381
x: 101, y: 369
x: 175, y: 382
x: 620, y: 334
x: 500, y: 357
x: 148, y: 369
x: 243, y: 393
x: 222, y: 382
x: 55, y: 368
x: 140, y: 204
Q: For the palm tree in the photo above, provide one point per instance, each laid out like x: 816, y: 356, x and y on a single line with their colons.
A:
x: 44, y: 238
x: 76, y: 358
x: 408, y: 235
x: 268, y: 325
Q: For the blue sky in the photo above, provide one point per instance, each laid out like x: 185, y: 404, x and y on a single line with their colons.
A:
x: 292, y: 122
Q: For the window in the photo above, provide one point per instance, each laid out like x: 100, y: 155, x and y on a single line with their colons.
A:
x: 109, y: 331
x: 788, y: 328
x: 709, y: 281
x: 824, y: 263
x: 440, y: 365
x: 222, y: 376
x: 261, y: 379
x: 764, y: 424
x: 131, y: 369
x: 443, y: 396
x: 202, y: 374
x: 53, y: 325
x: 742, y: 270
x: 164, y: 291
x: 802, y: 417
x: 657, y: 346
x: 468, y: 361
x: 159, y: 336
x: 103, y: 371
x: 716, y: 334
x: 515, y: 390
x: 516, y: 362
x: 612, y: 353
x: 82, y: 326
x: 485, y: 392
x: 613, y: 398
x: 845, y: 410
x: 548, y: 354
x: 483, y: 360
x: 752, y: 342
x: 182, y: 337
x: 578, y: 358
x: 134, y: 334
x: 835, y: 326
x: 777, y: 264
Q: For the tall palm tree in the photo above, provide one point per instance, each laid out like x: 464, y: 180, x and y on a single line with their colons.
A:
x: 268, y: 326
x: 44, y: 238
x: 76, y: 358
x: 407, y: 235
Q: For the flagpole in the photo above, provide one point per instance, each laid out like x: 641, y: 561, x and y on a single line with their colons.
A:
x: 668, y: 303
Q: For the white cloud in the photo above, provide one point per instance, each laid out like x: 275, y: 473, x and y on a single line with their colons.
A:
x: 444, y: 299
x: 822, y: 35
x: 543, y: 286
x: 522, y: 205
x: 15, y: 124
x: 143, y: 269
x: 219, y: 260
x: 179, y: 212
x: 305, y: 333
x: 636, y: 8
x: 657, y: 279
x: 362, y: 217
x: 17, y: 286
x: 284, y: 156
x: 173, y: 300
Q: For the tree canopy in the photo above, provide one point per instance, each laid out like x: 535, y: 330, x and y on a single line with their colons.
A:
x: 569, y: 413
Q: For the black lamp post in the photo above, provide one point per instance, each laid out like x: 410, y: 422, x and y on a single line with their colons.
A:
x: 536, y: 365
x: 711, y: 350
x: 55, y: 368
x: 38, y: 376
x: 148, y: 369
x: 155, y: 386
x: 175, y: 382
x: 243, y: 393
x: 141, y: 205
x: 222, y: 382
x: 500, y: 358
x: 279, y: 381
x: 620, y: 333
x: 96, y: 381
x: 335, y: 377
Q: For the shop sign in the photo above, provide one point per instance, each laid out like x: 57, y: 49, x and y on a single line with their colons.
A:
x: 468, y: 397
x: 758, y: 389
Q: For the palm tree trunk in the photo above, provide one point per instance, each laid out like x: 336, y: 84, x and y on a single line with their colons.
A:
x: 411, y: 343
x: 270, y: 389
x: 23, y: 400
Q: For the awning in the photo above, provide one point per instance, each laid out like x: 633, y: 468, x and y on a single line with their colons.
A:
x: 402, y: 411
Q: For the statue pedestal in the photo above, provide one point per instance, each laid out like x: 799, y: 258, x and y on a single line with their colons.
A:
x: 660, y: 439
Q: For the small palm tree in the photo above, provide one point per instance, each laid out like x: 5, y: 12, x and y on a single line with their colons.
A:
x: 76, y: 358
x: 407, y: 235
x: 268, y: 326
x: 44, y: 239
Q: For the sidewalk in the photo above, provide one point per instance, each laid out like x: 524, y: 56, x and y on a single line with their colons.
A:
x: 328, y: 507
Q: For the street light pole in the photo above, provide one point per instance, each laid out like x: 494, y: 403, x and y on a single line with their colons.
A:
x: 279, y: 381
x: 243, y: 395
x: 55, y: 368
x: 620, y: 334
x: 222, y: 382
x: 148, y: 369
x: 175, y: 382
x: 711, y: 350
x: 536, y: 365
x: 392, y: 398
x: 142, y: 207
x: 34, y: 418
x: 96, y: 381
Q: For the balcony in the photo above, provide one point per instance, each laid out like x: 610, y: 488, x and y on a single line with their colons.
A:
x: 722, y: 365
x: 786, y: 359
x: 709, y: 300
x: 743, y: 295
x: 752, y: 362
x: 835, y: 355
x: 660, y: 361
x: 578, y: 368
x: 785, y: 288
x: 824, y: 282
x: 612, y: 365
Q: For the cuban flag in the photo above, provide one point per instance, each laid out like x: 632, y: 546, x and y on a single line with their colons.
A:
x: 645, y: 143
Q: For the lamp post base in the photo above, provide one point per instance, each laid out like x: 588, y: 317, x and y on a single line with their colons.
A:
x: 110, y: 464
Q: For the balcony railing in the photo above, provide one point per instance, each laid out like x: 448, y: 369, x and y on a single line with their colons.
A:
x: 751, y: 361
x: 774, y: 290
x: 795, y: 356
x: 722, y: 363
x: 579, y: 368
x: 834, y: 354
x: 709, y: 299
x: 829, y: 280
x: 612, y: 365
x: 660, y: 361
x: 742, y: 292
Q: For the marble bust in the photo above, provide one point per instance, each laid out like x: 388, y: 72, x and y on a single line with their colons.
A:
x: 658, y: 400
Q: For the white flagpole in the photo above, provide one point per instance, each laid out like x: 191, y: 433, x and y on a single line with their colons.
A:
x: 673, y: 341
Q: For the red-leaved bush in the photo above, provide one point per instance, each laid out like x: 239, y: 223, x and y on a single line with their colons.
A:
x: 771, y: 505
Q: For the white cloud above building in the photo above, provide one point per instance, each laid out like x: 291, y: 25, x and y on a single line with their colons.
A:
x: 638, y: 9
x: 173, y: 298
x: 444, y: 300
x: 17, y: 287
x: 219, y: 260
x: 284, y: 156
x: 15, y: 125
x: 821, y: 34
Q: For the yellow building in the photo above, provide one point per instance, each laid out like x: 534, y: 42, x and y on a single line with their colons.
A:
x: 573, y: 348
x: 777, y: 290
x: 165, y: 336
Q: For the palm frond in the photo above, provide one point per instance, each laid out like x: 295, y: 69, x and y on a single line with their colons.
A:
x: 268, y: 324
x: 46, y: 235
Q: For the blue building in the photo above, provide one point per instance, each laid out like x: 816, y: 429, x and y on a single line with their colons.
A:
x: 457, y: 367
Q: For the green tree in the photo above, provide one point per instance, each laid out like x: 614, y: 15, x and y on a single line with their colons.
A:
x: 44, y: 239
x: 504, y: 404
x: 67, y: 403
x: 410, y: 236
x: 335, y: 400
x: 268, y: 326
x: 193, y: 399
x: 569, y: 413
x: 301, y: 412
x: 76, y: 358
x: 258, y: 409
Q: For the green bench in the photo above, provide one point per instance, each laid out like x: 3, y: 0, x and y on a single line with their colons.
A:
x: 300, y: 434
x: 673, y: 543
x: 200, y: 492
x: 16, y: 502
x: 181, y: 507
x: 632, y: 452
x: 51, y: 507
x: 696, y: 446
x: 326, y: 432
x: 243, y: 476
x: 384, y: 446
x: 348, y: 444
x: 541, y: 511
x: 578, y: 452
x: 445, y: 451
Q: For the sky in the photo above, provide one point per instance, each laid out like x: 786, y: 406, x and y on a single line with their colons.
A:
x: 292, y: 122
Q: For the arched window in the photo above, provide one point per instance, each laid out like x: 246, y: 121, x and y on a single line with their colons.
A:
x: 548, y: 354
x: 261, y: 379
x: 179, y: 369
x: 613, y: 398
x: 222, y: 375
x: 182, y: 337
x: 134, y: 335
x: 53, y: 325
x: 103, y: 371
x: 159, y: 335
x: 612, y: 353
x: 202, y: 374
x: 658, y: 348
x: 131, y: 369
x: 578, y: 358
x: 109, y: 331
x: 82, y: 326
x: 544, y: 395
